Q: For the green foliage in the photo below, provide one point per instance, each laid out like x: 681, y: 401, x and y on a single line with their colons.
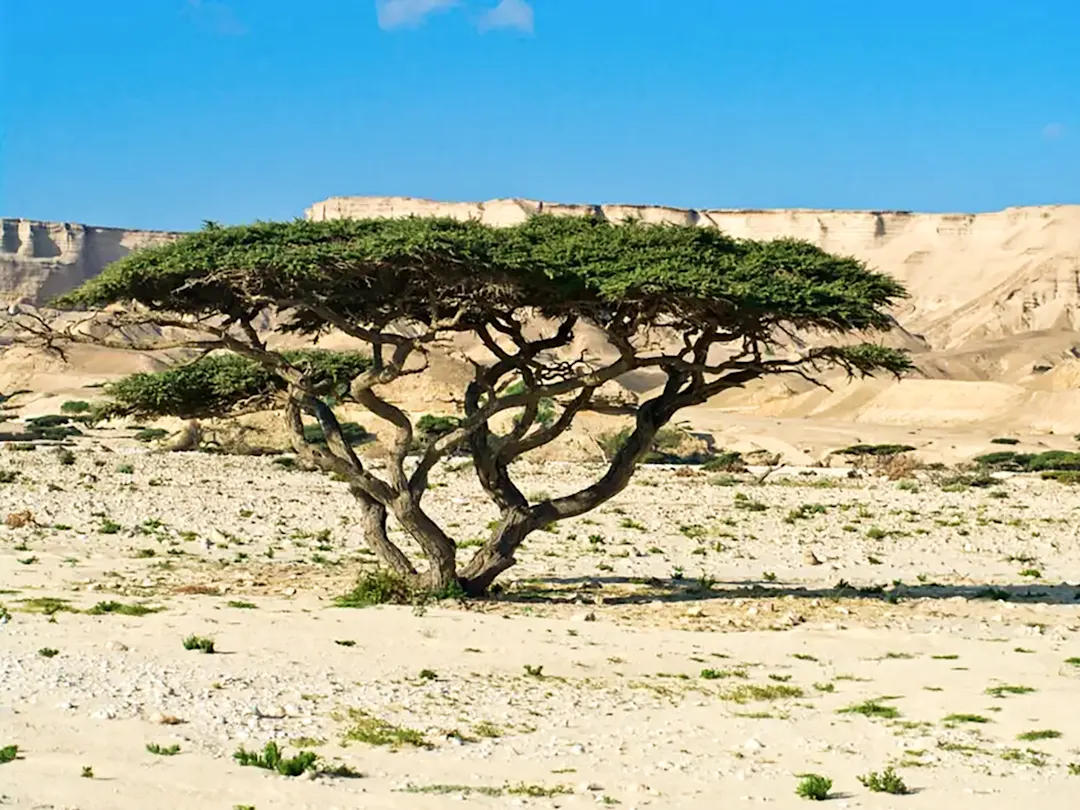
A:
x: 199, y: 644
x: 107, y: 608
x: 430, y: 427
x: 1004, y: 440
x: 1070, y: 477
x: 377, y: 587
x: 875, y: 449
x: 75, y: 406
x: 374, y: 731
x: 216, y: 383
x: 9, y: 753
x: 727, y: 461
x: 163, y: 750
x: 888, y: 781
x: 1051, y: 460
x: 273, y: 759
x: 353, y: 433
x: 814, y: 786
x: 425, y: 268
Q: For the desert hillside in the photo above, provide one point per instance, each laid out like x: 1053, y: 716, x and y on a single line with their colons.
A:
x: 991, y: 318
x: 972, y: 277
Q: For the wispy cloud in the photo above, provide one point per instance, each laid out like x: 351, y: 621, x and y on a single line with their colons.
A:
x: 1054, y: 131
x: 216, y: 16
x: 509, y: 14
x: 407, y: 13
x: 505, y: 14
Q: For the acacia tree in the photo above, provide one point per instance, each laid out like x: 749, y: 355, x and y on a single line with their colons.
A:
x: 721, y: 305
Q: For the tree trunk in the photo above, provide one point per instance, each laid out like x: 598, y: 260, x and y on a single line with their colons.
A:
x: 496, y: 555
x: 373, y: 525
x: 438, y: 548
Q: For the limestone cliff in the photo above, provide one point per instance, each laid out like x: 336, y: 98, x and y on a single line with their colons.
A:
x: 972, y: 277
x: 40, y: 260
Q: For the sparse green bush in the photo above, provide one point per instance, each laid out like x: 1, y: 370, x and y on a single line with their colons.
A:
x: 75, y: 406
x: 214, y: 383
x: 377, y: 587
x: 1004, y: 440
x: 430, y: 427
x: 875, y: 449
x: 728, y: 461
x: 353, y: 433
x: 888, y: 781
x: 814, y: 786
x: 9, y: 753
x: 199, y: 644
x: 1070, y: 477
x: 272, y: 759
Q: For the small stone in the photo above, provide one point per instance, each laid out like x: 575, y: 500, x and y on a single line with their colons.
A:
x: 810, y: 558
x: 585, y: 617
x: 753, y: 745
x: 290, y: 591
x: 116, y: 646
x: 162, y: 719
x: 695, y: 612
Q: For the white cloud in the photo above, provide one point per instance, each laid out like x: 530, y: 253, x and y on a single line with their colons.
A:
x: 509, y: 14
x: 407, y: 13
x: 1053, y: 132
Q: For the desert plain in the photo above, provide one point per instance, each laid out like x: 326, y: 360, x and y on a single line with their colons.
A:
x: 703, y: 640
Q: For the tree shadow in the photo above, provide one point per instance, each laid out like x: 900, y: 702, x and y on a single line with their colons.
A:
x: 556, y: 590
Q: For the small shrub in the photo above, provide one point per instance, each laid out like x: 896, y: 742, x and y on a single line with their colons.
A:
x: 163, y: 751
x: 75, y: 406
x: 814, y: 787
x: 1004, y: 440
x: 888, y: 781
x: 1043, y: 734
x: 87, y: 772
x: 430, y: 428
x: 872, y: 708
x: 374, y: 731
x: 353, y: 433
x: 103, y: 608
x: 1068, y: 477
x: 9, y: 753
x: 125, y: 469
x: 378, y: 587
x: 65, y: 456
x: 1006, y: 689
x: 199, y: 643
x: 8, y: 476
x: 48, y: 652
x: 272, y: 759
x: 875, y: 449
x: 727, y: 461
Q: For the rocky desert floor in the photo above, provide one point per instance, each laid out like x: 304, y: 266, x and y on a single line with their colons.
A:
x: 702, y: 641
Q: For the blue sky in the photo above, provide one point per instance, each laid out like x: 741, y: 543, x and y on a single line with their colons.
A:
x: 163, y: 113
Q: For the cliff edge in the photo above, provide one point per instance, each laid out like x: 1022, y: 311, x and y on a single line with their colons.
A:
x: 40, y: 260
x: 972, y: 277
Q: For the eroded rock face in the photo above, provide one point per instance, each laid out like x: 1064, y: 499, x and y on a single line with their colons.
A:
x: 40, y: 260
x: 972, y: 277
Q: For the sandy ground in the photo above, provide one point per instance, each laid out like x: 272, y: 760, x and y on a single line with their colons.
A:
x: 693, y: 644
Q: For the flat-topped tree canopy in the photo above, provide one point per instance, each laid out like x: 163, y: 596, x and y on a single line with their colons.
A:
x: 400, y: 284
x: 426, y: 270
